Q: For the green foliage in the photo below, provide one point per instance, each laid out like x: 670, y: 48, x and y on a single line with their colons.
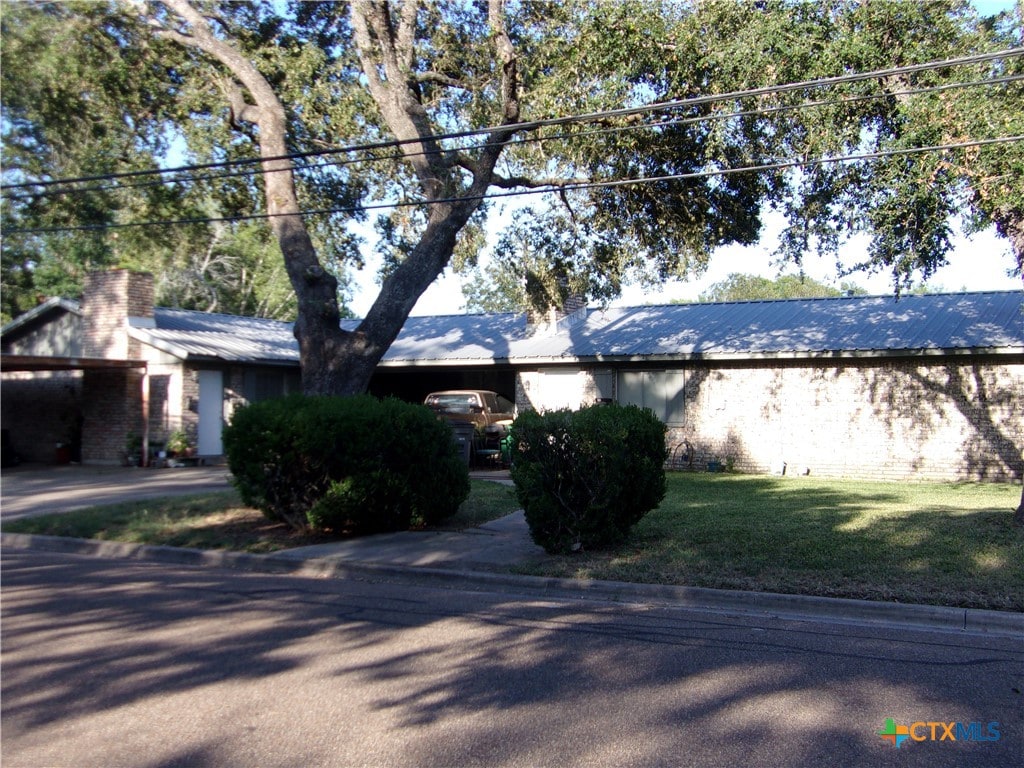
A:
x: 906, y: 203
x: 239, y: 272
x: 178, y: 442
x: 586, y: 477
x: 88, y: 90
x: 77, y: 104
x: 347, y: 465
x: 740, y: 287
x: 100, y: 87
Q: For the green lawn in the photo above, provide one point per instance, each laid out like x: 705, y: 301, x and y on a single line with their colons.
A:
x: 909, y: 542
x: 220, y: 521
x: 929, y: 543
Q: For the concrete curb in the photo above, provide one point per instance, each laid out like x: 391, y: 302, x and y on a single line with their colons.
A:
x: 763, y: 604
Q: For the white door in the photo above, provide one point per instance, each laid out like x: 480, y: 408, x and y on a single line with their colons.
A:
x: 211, y: 412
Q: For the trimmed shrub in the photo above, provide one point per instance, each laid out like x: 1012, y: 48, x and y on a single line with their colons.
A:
x: 345, y: 464
x: 586, y: 477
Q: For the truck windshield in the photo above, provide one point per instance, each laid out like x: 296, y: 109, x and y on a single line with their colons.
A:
x: 453, y: 403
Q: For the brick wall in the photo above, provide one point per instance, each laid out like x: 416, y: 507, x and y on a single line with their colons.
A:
x: 112, y: 410
x: 108, y: 300
x: 948, y: 418
x: 91, y: 411
x: 884, y: 420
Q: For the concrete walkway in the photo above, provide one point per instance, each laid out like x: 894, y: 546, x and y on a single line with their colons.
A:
x: 501, y: 542
x: 40, y: 489
x: 37, y: 490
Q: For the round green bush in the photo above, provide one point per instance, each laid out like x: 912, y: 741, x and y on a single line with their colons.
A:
x: 586, y: 477
x: 345, y: 464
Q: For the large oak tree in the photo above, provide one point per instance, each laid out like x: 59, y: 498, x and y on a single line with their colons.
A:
x: 409, y: 81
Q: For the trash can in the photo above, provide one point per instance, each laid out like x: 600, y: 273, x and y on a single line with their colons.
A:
x: 463, y: 433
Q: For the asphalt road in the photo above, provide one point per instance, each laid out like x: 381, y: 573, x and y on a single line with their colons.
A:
x: 121, y: 663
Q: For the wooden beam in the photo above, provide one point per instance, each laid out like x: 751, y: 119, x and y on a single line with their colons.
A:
x: 40, y: 363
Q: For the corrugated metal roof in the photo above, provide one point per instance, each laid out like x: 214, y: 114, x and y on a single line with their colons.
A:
x: 799, y: 327
x: 204, y: 335
x: 856, y: 325
x: 460, y: 338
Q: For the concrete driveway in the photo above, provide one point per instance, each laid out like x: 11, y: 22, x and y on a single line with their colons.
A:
x: 41, y: 489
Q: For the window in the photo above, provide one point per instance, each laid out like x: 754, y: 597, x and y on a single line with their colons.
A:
x: 265, y: 384
x: 462, y: 402
x: 661, y: 391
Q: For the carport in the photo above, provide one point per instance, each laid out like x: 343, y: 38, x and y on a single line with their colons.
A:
x: 100, y: 407
x: 412, y: 383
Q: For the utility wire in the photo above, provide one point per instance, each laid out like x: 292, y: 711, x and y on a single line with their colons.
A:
x: 567, y: 187
x: 558, y: 121
x: 716, y: 116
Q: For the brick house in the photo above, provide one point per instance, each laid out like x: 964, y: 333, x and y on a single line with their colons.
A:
x: 925, y: 387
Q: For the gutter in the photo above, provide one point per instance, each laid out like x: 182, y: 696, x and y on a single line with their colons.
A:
x: 857, y: 354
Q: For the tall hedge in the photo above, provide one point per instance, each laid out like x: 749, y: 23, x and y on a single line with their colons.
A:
x: 586, y: 477
x: 345, y: 464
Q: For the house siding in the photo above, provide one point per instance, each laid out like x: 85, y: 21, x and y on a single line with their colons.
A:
x: 61, y: 337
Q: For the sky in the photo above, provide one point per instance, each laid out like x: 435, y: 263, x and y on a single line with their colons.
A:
x: 981, y: 262
x: 978, y: 263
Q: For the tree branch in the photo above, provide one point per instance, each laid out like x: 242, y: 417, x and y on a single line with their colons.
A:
x: 378, y: 46
x: 517, y: 182
x: 437, y: 77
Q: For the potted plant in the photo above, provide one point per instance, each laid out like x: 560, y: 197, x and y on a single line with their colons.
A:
x: 131, y: 456
x: 178, y: 444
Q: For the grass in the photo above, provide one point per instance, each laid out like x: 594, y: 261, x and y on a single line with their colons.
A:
x: 932, y: 543
x: 220, y: 521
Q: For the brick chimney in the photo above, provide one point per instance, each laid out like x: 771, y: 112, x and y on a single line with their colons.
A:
x: 109, y: 300
x: 555, y: 319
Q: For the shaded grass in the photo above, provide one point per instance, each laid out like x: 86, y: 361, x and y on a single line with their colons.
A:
x: 221, y: 521
x: 933, y: 543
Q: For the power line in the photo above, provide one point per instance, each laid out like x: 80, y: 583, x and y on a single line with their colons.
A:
x: 536, y: 124
x: 716, y: 116
x: 569, y: 186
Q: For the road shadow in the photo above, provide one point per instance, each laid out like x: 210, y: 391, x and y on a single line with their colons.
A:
x: 470, y: 678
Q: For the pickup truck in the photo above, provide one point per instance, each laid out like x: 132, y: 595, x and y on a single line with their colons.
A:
x: 489, y: 411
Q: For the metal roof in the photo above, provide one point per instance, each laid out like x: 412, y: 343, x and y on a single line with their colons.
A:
x: 954, y: 323
x: 854, y: 325
x: 207, y: 336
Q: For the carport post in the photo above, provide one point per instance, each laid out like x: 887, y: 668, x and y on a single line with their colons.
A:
x: 145, y: 416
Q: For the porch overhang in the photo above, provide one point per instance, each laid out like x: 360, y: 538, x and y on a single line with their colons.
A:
x: 42, y: 363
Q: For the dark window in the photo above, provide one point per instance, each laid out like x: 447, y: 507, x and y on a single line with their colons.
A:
x: 661, y: 391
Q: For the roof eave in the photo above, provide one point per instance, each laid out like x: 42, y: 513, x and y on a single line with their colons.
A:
x: 140, y: 334
x: 39, y: 311
x: 445, y: 362
x: 855, y: 354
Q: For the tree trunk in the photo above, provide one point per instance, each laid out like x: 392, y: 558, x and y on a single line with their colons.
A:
x: 1018, y: 516
x: 343, y: 364
x: 335, y: 361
